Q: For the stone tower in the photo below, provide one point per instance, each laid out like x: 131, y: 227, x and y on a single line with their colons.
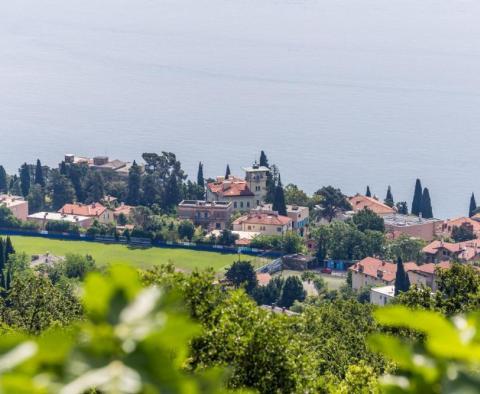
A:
x: 256, y: 177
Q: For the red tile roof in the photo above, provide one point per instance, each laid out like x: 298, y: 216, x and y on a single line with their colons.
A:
x: 360, y: 202
x: 466, y: 251
x: 232, y: 187
x: 430, y: 267
x: 458, y: 222
x: 371, y: 266
x: 272, y: 218
x: 91, y: 210
x: 264, y: 279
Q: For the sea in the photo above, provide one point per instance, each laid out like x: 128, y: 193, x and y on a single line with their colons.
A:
x: 347, y: 93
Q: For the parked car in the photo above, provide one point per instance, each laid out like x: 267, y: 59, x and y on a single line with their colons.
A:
x: 326, y: 271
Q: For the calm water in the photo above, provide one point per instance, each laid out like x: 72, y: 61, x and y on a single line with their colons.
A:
x: 343, y: 92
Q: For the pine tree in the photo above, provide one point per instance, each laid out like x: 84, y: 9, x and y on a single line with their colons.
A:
x: 389, y: 198
x: 427, y: 212
x: 200, y: 179
x: 3, y: 180
x: 227, y: 172
x: 63, y: 168
x: 417, y: 199
x: 279, y: 200
x: 25, y: 179
x: 292, y: 291
x: 473, y: 206
x: 402, y: 282
x: 134, y: 184
x: 9, y: 249
x: 368, y: 193
x: 39, y: 178
x: 263, y: 159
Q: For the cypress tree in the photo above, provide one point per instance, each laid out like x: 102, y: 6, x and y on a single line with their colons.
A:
x: 263, y: 159
x: 39, y: 178
x: 9, y: 250
x: 427, y: 212
x: 417, y: 199
x: 368, y: 193
x: 3, y: 180
x: 473, y: 206
x: 25, y: 179
x: 63, y: 168
x: 134, y: 184
x: 227, y: 172
x: 200, y: 178
x: 2, y: 259
x: 402, y: 282
x: 389, y: 198
x: 279, y: 200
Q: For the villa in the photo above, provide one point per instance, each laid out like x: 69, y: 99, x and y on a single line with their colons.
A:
x: 16, y: 204
x: 95, y: 211
x: 210, y: 215
x: 265, y: 223
x: 42, y: 218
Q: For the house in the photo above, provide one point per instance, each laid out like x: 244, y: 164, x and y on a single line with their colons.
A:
x: 210, y: 215
x: 445, y: 228
x: 374, y: 272
x: 263, y: 279
x: 115, y: 167
x: 425, y: 274
x: 410, y: 225
x: 300, y: 215
x: 234, y: 190
x: 16, y: 204
x: 359, y: 202
x: 438, y: 251
x: 256, y: 178
x: 383, y: 295
x: 124, y: 209
x: 95, y: 211
x: 42, y: 218
x: 265, y: 223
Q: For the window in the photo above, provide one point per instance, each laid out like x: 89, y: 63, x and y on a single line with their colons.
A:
x: 279, y: 229
x: 241, y: 204
x: 258, y: 202
x: 248, y: 204
x: 235, y: 204
x: 205, y: 215
x: 249, y: 227
x: 218, y: 226
x: 257, y: 188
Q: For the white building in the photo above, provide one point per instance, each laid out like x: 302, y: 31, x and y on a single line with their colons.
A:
x: 381, y: 296
x: 42, y: 218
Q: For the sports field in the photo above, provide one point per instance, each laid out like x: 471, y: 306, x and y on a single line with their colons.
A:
x: 141, y: 257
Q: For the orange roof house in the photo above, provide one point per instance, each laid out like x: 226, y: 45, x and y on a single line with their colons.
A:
x: 94, y: 210
x: 233, y: 190
x: 375, y: 272
x: 359, y: 202
x: 267, y: 223
x: 444, y: 251
x: 445, y: 228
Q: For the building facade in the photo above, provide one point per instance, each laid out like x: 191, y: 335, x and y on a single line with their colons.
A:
x: 256, y: 178
x: 213, y: 215
x: 95, y: 211
x: 16, y: 204
x: 42, y: 218
x: 264, y: 223
x: 234, y: 190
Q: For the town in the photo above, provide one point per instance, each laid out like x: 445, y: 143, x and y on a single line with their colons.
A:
x: 379, y: 247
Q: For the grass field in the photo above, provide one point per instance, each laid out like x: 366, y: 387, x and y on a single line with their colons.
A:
x: 141, y: 257
x: 333, y: 282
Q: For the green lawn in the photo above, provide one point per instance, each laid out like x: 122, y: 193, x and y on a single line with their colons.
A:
x: 144, y: 257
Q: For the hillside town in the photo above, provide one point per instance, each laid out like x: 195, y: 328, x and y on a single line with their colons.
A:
x: 360, y: 237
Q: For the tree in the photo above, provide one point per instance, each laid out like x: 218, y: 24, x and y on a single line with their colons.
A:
x: 186, y: 229
x: 366, y: 219
x: 402, y: 282
x: 292, y: 291
x: 94, y: 187
x: 417, y: 199
x: 241, y: 273
x: 263, y: 159
x: 295, y: 196
x: 227, y: 172
x: 25, y: 179
x: 279, y: 200
x: 134, y: 184
x: 272, y: 180
x: 36, y: 199
x: 473, y: 206
x: 39, y: 178
x: 77, y: 173
x: 368, y: 192
x: 405, y: 247
x: 402, y: 207
x: 463, y: 233
x: 269, y: 294
x: 389, y: 198
x: 333, y: 201
x: 292, y: 243
x: 3, y: 180
x: 426, y: 205
x: 200, y: 178
x: 62, y: 190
